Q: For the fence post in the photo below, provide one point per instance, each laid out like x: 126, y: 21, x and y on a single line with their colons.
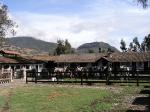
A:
x: 81, y: 78
x: 35, y: 74
x: 27, y: 78
x: 137, y: 78
x: 107, y: 78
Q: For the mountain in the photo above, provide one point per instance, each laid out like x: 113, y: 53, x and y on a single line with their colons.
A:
x: 94, y: 47
x: 32, y: 46
x: 32, y: 43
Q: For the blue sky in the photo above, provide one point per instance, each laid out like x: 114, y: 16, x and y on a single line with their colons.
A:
x: 80, y: 21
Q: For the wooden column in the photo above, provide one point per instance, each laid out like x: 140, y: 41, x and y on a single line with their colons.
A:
x: 24, y: 73
x: 2, y: 69
x: 11, y: 75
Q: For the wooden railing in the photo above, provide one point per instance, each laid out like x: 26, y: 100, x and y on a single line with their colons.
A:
x: 5, y: 77
x: 90, y: 77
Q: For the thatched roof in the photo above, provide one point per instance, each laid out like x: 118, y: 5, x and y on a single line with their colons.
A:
x: 79, y: 58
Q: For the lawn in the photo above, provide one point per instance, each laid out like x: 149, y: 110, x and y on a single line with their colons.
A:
x: 46, y: 98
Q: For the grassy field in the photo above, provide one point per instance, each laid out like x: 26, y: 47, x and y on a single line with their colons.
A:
x: 46, y: 98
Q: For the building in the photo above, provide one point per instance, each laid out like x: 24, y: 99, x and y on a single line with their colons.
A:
x: 133, y: 60
x: 79, y: 59
x: 11, y: 62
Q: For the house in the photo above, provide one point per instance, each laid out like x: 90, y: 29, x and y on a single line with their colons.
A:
x: 9, y: 53
x: 79, y: 59
x: 12, y: 62
x: 49, y: 60
x: 134, y: 60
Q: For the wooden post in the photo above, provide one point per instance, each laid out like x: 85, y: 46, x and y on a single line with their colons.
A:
x: 137, y: 77
x: 35, y: 74
x: 24, y: 73
x: 107, y: 77
x: 27, y: 78
x: 57, y: 77
x: 81, y: 78
x: 2, y: 69
x: 11, y: 75
x: 108, y: 74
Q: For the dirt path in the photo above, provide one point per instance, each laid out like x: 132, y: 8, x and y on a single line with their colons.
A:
x: 139, y: 102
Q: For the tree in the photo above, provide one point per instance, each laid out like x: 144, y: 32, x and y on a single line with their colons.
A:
x: 109, y: 50
x: 131, y: 47
x: 63, y: 47
x: 136, y: 45
x: 91, y: 51
x: 144, y: 3
x: 123, y: 46
x: 100, y: 50
x: 6, y: 24
x: 68, y: 48
x: 143, y: 47
x: 146, y: 42
x: 60, y: 48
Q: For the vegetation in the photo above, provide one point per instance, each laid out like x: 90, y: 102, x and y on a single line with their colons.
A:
x: 136, y: 46
x: 46, y: 98
x: 6, y: 24
x: 32, y: 43
x: 123, y: 46
x: 144, y: 3
x: 63, y: 47
x: 91, y: 51
x: 146, y: 43
x: 96, y: 47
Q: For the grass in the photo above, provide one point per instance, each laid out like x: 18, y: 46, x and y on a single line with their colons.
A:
x: 45, y: 98
x: 2, y: 101
x: 56, y: 99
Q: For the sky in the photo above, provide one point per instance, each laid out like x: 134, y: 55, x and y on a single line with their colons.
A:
x: 80, y: 21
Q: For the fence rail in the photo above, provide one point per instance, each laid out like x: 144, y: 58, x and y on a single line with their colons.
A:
x: 90, y: 77
x: 5, y: 77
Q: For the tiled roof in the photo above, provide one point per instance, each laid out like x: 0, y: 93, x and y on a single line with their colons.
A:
x: 45, y: 57
x: 79, y: 58
x: 85, y: 58
x: 10, y: 52
x: 129, y: 57
x: 7, y: 60
x: 28, y: 60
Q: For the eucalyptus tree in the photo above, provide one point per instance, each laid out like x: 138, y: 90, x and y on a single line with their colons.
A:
x: 7, y: 25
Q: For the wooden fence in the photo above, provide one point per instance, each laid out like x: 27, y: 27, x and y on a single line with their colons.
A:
x: 90, y: 77
x: 5, y: 77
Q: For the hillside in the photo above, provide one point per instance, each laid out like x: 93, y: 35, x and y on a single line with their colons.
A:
x: 32, y: 46
x: 94, y: 46
x: 32, y: 43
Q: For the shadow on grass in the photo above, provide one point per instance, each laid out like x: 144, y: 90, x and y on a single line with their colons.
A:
x: 144, y: 101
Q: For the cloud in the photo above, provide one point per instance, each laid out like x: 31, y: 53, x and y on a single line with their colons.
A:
x: 106, y: 21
